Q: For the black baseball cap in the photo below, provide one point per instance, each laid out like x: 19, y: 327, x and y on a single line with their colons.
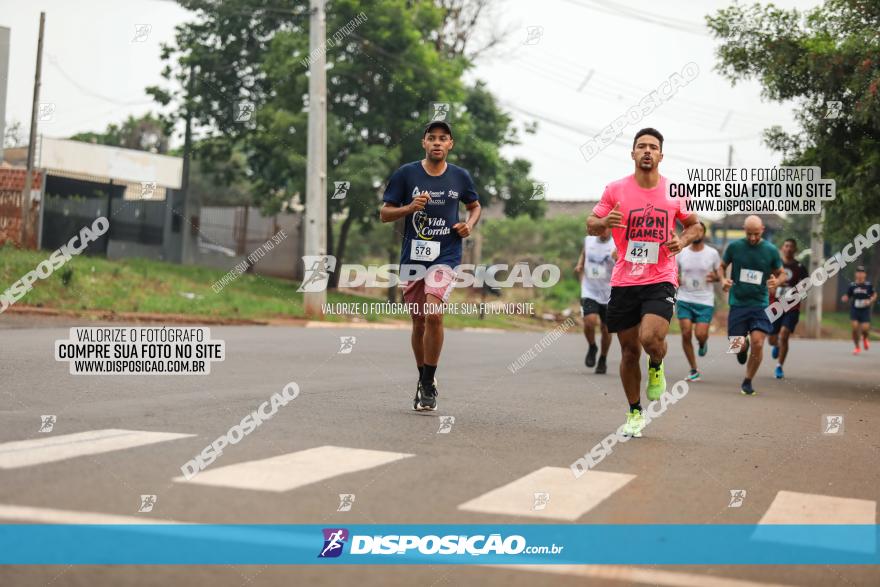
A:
x: 435, y: 123
x: 861, y: 268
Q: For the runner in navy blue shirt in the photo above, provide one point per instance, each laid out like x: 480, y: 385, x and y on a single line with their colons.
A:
x: 784, y: 326
x: 427, y: 194
x: 861, y: 296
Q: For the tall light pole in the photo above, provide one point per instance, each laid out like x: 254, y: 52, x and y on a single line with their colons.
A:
x: 4, y: 77
x: 32, y: 142
x: 316, y: 171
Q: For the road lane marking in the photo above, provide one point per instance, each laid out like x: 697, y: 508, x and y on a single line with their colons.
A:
x: 567, y: 498
x: 50, y: 449
x: 791, y: 507
x: 636, y: 575
x: 296, y: 469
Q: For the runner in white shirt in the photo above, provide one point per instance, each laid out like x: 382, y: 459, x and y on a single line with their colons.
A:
x: 698, y: 266
x: 594, y: 268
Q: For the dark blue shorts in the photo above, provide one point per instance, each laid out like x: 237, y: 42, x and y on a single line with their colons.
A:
x: 789, y: 319
x: 860, y: 315
x: 743, y: 319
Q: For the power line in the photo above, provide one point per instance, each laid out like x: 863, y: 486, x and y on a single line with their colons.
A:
x: 647, y: 17
x: 616, y: 85
x: 53, y: 61
x: 705, y: 118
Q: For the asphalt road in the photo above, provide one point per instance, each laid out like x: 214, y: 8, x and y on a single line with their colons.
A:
x: 506, y: 426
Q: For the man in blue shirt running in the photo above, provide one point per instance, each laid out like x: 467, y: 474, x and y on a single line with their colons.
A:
x: 428, y: 193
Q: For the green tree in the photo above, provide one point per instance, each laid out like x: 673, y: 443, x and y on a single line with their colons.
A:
x: 144, y: 133
x: 830, y: 53
x: 381, y: 78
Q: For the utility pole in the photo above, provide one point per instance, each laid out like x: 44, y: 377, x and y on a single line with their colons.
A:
x: 186, y: 252
x: 28, y: 179
x: 724, y: 221
x: 316, y: 171
x: 4, y: 79
x: 815, y: 297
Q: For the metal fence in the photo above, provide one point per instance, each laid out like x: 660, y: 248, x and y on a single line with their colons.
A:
x: 234, y: 232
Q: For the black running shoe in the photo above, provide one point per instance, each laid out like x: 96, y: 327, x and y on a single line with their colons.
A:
x: 426, y: 397
x: 601, y: 367
x: 590, y: 361
x: 743, y: 355
x: 746, y: 388
x: 418, y: 394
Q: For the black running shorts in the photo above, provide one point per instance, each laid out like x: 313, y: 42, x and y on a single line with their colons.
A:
x: 629, y: 303
x: 591, y: 306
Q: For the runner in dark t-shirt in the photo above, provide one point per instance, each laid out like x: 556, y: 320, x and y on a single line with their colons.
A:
x: 861, y: 296
x: 428, y: 238
x: 427, y: 195
x: 783, y: 327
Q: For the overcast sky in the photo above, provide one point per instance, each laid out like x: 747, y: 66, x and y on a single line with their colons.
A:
x: 589, y: 61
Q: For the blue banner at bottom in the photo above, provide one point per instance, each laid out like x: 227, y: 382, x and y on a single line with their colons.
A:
x: 462, y: 544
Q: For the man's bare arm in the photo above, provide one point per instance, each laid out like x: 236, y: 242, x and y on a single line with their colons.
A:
x: 474, y: 212
x: 596, y: 225
x: 464, y: 228
x: 776, y: 280
x: 692, y: 230
x: 726, y: 283
x: 390, y: 212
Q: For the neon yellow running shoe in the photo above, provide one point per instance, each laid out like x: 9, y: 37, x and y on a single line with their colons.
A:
x: 635, y: 421
x: 656, y: 381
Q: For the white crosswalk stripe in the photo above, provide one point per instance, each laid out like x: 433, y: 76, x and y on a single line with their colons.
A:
x: 791, y: 507
x: 38, y: 451
x: 296, y: 469
x: 550, y: 492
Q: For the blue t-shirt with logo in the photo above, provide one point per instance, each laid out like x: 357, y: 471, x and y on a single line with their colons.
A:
x: 429, y: 239
x: 859, y: 294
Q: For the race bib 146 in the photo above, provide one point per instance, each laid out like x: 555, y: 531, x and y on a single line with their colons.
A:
x: 750, y: 276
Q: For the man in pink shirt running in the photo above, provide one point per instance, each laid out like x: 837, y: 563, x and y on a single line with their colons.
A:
x: 642, y: 217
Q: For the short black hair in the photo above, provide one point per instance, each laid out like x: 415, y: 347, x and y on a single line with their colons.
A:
x: 648, y: 131
x: 790, y: 240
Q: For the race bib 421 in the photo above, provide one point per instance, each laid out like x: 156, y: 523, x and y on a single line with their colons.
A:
x: 642, y: 252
